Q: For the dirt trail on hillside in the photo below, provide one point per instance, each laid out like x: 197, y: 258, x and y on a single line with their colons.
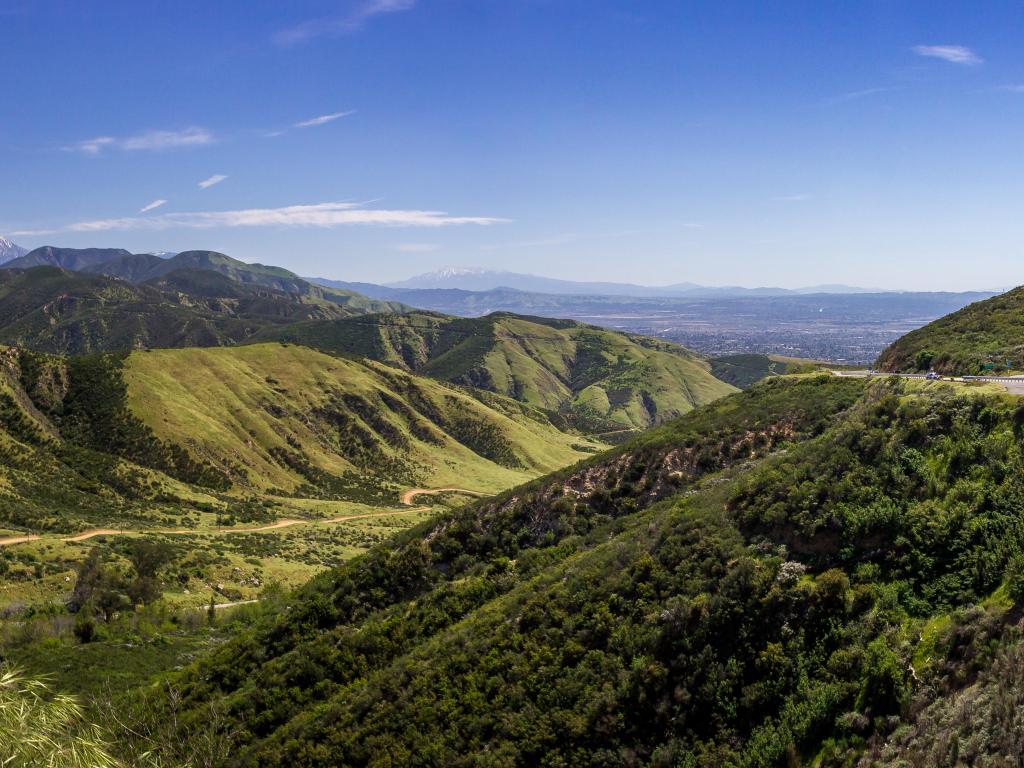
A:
x: 16, y: 540
x: 95, y: 532
x: 276, y: 525
x: 407, y: 500
x: 412, y: 493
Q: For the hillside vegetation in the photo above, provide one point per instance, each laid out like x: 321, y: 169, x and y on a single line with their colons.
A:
x: 584, y: 378
x: 101, y: 439
x: 287, y: 417
x: 769, y: 580
x: 744, y: 371
x: 48, y: 309
x: 595, y: 379
x: 987, y: 336
x: 145, y: 267
x: 250, y: 465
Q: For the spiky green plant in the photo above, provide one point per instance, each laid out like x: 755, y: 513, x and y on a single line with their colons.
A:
x: 40, y: 728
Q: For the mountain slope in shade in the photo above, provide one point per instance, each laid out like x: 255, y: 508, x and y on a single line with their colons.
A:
x: 73, y: 259
x: 10, y: 251
x: 52, y: 310
x: 600, y: 380
x: 141, y: 268
x: 133, y: 267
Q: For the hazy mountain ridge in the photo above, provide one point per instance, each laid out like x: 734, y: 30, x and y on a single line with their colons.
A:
x: 140, y: 268
x: 478, y: 279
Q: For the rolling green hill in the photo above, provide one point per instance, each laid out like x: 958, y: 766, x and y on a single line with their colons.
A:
x: 97, y: 439
x: 249, y: 466
x: 786, y: 576
x: 987, y: 336
x: 287, y: 417
x: 598, y: 380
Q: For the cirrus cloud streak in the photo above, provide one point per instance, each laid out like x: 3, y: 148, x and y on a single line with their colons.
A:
x: 213, y: 181
x: 322, y: 215
x: 356, y: 17
x: 954, y: 54
x: 152, y: 141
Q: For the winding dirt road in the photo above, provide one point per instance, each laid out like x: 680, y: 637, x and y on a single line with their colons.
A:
x: 411, y: 494
x: 407, y: 500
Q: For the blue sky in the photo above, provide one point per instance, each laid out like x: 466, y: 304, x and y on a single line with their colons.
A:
x: 872, y: 143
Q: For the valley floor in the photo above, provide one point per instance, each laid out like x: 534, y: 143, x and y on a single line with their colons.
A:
x: 288, y: 557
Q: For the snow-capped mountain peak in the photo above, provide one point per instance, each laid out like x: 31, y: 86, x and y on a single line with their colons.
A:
x: 9, y: 251
x: 449, y: 272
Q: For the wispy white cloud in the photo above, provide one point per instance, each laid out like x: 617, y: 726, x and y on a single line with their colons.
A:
x: 217, y: 178
x: 31, y: 232
x: 153, y: 206
x: 324, y: 119
x: 417, y: 247
x: 149, y: 141
x: 318, y: 215
x: 92, y: 146
x: 857, y: 95
x: 1011, y: 88
x: 345, y: 24
x: 954, y: 54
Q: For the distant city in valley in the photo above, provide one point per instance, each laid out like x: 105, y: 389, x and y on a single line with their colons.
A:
x: 838, y: 323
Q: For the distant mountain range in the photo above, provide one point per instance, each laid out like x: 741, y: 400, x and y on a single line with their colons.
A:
x: 474, y: 303
x: 147, y: 267
x: 476, y: 279
x: 9, y: 251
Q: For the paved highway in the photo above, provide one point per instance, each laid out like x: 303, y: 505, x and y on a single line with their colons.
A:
x: 1013, y: 384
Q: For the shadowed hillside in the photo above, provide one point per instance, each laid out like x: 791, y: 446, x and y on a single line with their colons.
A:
x: 52, y: 310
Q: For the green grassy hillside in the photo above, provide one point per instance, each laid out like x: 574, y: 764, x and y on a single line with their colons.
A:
x: 597, y: 379
x: 106, y: 439
x: 207, y: 451
x: 769, y: 580
x: 987, y: 336
x: 284, y: 416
